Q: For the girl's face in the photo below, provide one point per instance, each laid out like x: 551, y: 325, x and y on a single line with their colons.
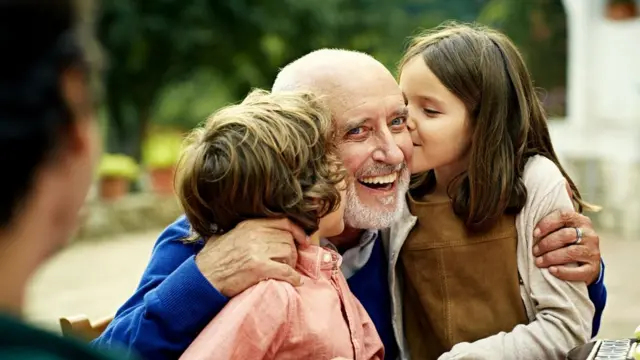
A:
x: 438, y: 121
x: 333, y: 223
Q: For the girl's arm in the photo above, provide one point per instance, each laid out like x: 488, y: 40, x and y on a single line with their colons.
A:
x: 252, y: 326
x: 563, y: 309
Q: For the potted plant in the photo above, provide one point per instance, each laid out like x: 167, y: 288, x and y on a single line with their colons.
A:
x: 115, y: 173
x: 160, y: 153
x: 622, y: 9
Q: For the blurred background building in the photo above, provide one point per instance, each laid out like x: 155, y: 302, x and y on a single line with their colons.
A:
x: 600, y: 135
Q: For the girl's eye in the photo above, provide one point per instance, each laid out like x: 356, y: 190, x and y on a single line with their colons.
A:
x: 431, y: 112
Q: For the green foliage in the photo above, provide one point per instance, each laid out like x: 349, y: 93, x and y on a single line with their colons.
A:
x: 152, y: 46
x: 494, y: 13
x: 161, y: 150
x: 174, y: 62
x: 118, y: 165
x: 185, y: 104
x: 539, y: 29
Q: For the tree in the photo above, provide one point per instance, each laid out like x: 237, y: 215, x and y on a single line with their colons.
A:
x: 539, y: 29
x: 152, y: 43
x: 147, y: 43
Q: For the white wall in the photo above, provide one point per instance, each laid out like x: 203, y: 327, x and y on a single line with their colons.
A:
x: 602, y: 128
x: 603, y: 115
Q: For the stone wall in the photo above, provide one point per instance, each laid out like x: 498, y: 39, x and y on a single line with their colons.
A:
x: 134, y: 213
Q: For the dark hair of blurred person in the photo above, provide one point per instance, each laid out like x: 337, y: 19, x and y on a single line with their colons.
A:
x: 49, y: 143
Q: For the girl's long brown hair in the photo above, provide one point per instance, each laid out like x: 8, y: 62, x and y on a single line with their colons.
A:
x: 485, y: 70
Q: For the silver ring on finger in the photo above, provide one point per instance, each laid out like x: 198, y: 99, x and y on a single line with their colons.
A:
x: 578, y: 236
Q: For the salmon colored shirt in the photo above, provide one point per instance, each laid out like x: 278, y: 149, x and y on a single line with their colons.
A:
x: 319, y: 320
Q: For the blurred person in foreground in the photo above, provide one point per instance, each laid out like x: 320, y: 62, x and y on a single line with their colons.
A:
x: 49, y: 143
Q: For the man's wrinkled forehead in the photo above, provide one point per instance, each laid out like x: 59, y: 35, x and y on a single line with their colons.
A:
x: 371, y: 108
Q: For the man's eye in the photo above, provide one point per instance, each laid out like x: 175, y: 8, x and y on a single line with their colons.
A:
x: 356, y: 131
x: 398, y: 121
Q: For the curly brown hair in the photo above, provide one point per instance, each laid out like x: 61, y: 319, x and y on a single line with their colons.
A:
x: 271, y: 156
x: 485, y: 70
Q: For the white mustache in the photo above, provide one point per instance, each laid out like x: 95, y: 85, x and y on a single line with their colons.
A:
x: 381, y: 169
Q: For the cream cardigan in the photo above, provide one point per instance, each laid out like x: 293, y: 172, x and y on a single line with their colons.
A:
x: 560, y: 312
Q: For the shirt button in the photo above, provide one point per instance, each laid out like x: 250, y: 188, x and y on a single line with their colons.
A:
x: 326, y: 258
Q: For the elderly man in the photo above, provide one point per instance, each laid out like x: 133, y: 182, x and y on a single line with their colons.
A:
x: 185, y: 286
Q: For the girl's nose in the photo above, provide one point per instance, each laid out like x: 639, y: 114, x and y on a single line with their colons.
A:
x: 411, y: 125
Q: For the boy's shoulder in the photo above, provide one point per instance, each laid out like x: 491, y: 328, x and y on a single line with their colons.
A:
x: 269, y: 302
x: 274, y: 292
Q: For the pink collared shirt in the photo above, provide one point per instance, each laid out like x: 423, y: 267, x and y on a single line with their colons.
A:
x: 319, y: 320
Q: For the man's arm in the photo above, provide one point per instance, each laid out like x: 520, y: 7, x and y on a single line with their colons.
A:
x: 598, y: 295
x: 186, y: 285
x: 556, y: 248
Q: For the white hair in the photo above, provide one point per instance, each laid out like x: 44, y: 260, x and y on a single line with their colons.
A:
x: 319, y: 69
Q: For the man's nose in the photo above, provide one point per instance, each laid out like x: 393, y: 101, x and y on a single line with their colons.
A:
x: 388, y: 152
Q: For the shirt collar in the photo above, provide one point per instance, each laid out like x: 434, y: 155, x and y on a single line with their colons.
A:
x: 317, y: 262
x: 357, y: 257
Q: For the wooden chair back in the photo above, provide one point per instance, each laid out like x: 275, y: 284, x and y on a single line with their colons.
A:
x: 79, y: 326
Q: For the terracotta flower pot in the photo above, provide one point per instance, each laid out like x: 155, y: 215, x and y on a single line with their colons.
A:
x: 162, y: 180
x: 113, y: 188
x: 622, y: 11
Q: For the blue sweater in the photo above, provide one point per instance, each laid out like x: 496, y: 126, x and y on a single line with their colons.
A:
x: 174, y: 301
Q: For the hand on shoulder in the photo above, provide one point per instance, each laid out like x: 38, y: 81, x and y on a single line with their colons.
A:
x: 253, y: 251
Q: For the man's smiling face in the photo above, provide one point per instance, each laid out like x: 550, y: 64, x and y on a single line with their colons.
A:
x: 371, y: 122
x: 375, y: 146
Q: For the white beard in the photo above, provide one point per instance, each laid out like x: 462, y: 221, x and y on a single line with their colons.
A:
x: 360, y: 216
